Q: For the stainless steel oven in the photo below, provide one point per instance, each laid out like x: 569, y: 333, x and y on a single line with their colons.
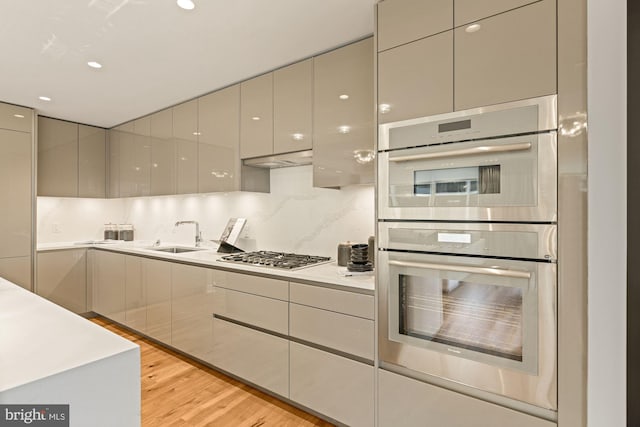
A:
x: 471, y: 304
x: 496, y: 163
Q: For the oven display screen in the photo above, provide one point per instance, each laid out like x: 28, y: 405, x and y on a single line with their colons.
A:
x: 457, y: 181
x: 463, y: 314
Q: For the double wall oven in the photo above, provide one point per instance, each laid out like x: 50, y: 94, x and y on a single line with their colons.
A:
x: 467, y: 261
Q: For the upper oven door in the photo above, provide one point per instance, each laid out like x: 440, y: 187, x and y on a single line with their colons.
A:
x: 495, y: 163
x: 505, y: 179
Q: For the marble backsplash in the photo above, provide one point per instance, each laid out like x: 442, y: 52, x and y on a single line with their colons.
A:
x: 294, y: 217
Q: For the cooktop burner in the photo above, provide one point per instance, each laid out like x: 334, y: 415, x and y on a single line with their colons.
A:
x: 281, y: 260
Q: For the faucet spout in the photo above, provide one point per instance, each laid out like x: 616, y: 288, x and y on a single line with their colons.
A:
x: 198, y: 233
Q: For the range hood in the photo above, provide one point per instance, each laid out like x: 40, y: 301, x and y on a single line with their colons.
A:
x: 298, y: 158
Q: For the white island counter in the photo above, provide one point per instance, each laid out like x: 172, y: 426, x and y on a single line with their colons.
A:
x: 49, y: 355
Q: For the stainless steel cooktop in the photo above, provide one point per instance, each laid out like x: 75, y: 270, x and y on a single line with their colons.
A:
x: 279, y: 260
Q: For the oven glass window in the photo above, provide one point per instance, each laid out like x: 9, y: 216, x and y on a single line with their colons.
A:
x: 457, y: 181
x: 474, y: 316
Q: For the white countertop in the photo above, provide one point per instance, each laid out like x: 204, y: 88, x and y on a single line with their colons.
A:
x: 329, y: 273
x: 39, y: 339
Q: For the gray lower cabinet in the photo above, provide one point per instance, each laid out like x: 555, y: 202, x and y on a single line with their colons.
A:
x: 191, y: 310
x: 403, y: 401
x: 332, y: 361
x: 258, y: 357
x: 156, y: 276
x: 62, y: 278
x: 17, y: 270
x: 250, y: 329
x: 338, y: 387
x: 109, y: 280
x: 316, y: 349
x: 135, y: 295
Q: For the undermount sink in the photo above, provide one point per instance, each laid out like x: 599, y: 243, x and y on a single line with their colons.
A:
x: 176, y: 249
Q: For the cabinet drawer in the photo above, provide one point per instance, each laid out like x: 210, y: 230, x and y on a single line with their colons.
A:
x: 271, y: 288
x: 344, y: 302
x: 257, y: 357
x: 347, y: 334
x: 407, y: 402
x: 265, y: 313
x: 403, y: 21
x: 332, y: 385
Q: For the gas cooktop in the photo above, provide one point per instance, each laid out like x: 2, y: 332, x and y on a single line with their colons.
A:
x: 280, y: 260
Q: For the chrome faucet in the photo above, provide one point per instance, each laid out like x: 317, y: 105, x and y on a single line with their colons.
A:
x: 198, y: 233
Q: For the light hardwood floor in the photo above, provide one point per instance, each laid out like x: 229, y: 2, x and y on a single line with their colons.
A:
x: 177, y: 391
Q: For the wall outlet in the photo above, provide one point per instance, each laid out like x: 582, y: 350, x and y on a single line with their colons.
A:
x: 55, y: 227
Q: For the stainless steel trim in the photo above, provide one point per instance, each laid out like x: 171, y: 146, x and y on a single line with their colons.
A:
x: 540, y: 239
x: 547, y: 116
x: 464, y: 269
x: 465, y: 152
x: 298, y: 158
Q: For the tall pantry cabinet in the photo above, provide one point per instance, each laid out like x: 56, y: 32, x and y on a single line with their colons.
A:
x: 17, y: 193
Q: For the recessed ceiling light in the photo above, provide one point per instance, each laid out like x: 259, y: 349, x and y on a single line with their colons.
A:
x: 44, y: 98
x: 197, y: 133
x: 297, y: 136
x: 94, y: 64
x: 344, y: 129
x: 472, y: 28
x: 18, y: 116
x: 186, y: 4
x: 344, y: 96
x: 256, y: 118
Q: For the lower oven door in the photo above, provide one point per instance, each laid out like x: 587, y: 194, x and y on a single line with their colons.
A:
x: 486, y: 323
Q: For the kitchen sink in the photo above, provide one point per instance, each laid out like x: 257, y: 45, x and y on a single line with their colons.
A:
x: 176, y: 249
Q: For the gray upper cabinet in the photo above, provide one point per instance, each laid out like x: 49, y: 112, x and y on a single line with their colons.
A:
x: 163, y: 154
x: 468, y: 11
x: 57, y: 158
x: 416, y: 79
x: 511, y: 56
x: 292, y: 107
x: 91, y: 162
x: 219, y: 141
x: 16, y: 118
x: 71, y: 159
x: 185, y: 135
x: 403, y: 21
x: 256, y: 117
x: 343, y: 113
x: 135, y: 158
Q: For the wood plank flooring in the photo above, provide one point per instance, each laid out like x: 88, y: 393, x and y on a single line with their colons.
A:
x: 177, y: 391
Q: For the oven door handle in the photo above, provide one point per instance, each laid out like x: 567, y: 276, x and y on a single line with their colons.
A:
x: 516, y: 274
x: 521, y: 146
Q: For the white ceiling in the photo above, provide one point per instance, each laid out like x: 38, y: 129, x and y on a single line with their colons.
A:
x: 155, y: 54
